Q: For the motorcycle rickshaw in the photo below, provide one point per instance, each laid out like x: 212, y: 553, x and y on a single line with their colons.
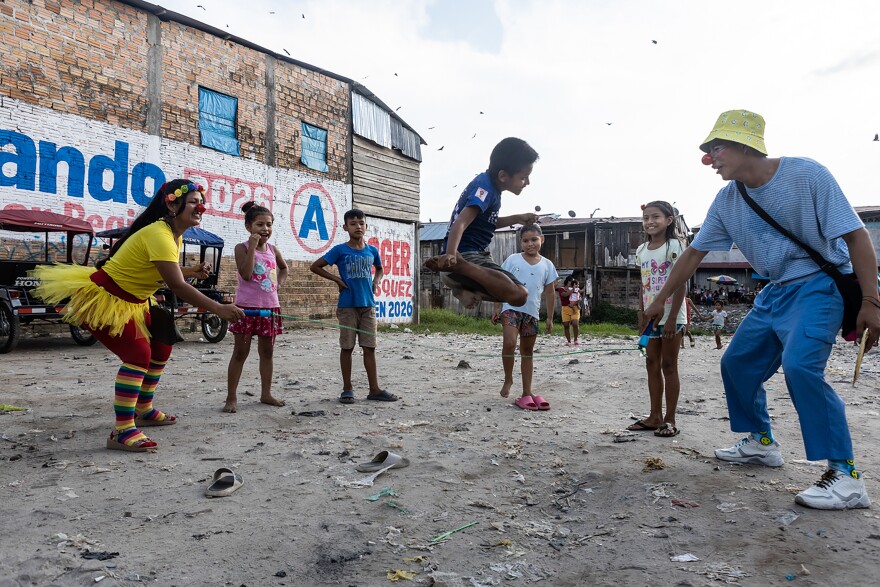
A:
x: 18, y: 305
x: 210, y: 247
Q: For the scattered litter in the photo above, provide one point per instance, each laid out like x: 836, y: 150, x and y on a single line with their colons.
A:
x: 573, y: 362
x: 394, y: 505
x: 518, y: 477
x: 451, y: 532
x: 623, y: 436
x: 310, y: 414
x: 8, y: 408
x: 400, y: 574
x: 414, y: 559
x: 786, y: 518
x: 791, y: 577
x: 385, y: 491
x: 100, y: 555
x: 683, y: 503
x: 365, y: 481
x: 728, y: 507
x: 684, y: 558
x: 462, y: 364
x: 518, y: 570
x: 654, y: 464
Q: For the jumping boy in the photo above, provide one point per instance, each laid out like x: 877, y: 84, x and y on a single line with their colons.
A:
x: 467, y: 265
x: 356, y: 310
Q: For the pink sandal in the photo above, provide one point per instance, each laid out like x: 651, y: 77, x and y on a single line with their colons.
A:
x: 540, y: 402
x: 526, y: 402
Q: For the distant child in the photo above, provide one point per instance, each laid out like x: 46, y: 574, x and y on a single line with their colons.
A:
x: 719, y: 321
x: 656, y: 258
x: 356, y: 310
x: 691, y: 309
x: 539, y: 275
x: 261, y: 271
x: 467, y: 265
x: 569, y: 297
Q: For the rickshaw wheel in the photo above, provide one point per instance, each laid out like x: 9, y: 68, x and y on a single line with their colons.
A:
x: 214, y: 327
x: 81, y: 336
x: 10, y: 327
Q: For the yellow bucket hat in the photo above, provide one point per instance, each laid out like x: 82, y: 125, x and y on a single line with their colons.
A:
x: 738, y: 126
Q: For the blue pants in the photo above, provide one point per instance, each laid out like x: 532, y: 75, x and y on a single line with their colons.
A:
x: 793, y: 326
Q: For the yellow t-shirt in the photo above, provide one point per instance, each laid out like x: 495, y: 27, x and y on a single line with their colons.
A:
x: 132, y: 268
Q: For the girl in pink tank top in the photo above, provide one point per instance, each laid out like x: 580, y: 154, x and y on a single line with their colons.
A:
x: 261, y: 271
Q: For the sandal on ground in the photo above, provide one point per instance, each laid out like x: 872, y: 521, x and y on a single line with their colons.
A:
x: 526, y: 402
x: 640, y: 426
x: 224, y: 482
x: 346, y: 397
x: 142, y: 445
x: 383, y: 396
x: 154, y: 418
x: 667, y: 430
x: 540, y: 402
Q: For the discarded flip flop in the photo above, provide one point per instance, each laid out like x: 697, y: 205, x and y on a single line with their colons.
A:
x: 383, y: 396
x: 225, y: 482
x: 540, y: 402
x: 346, y: 397
x: 526, y: 403
x: 383, y: 460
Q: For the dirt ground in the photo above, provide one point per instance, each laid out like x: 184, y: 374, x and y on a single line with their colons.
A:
x: 555, y: 497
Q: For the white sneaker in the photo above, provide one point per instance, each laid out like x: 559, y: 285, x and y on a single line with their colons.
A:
x: 835, y: 491
x: 748, y: 450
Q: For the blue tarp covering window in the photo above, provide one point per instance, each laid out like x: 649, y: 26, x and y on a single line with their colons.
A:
x: 314, y: 147
x: 217, y: 121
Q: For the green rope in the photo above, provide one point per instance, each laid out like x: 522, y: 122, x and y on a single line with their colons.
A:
x: 432, y: 347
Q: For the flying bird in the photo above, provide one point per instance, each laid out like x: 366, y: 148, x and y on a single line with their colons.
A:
x: 609, y: 123
x: 286, y: 51
x: 200, y: 6
x: 431, y: 127
x: 441, y: 148
x: 271, y: 12
x: 877, y: 137
x: 653, y: 41
x: 481, y: 112
x: 398, y: 108
x: 395, y: 75
x: 475, y: 136
x: 304, y: 15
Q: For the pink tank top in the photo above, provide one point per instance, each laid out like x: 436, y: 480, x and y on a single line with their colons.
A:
x: 262, y: 289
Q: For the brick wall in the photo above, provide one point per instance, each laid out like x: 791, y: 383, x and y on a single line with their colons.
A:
x: 71, y: 64
x: 85, y: 58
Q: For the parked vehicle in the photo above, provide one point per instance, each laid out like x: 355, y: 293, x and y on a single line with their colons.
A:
x: 211, y: 249
x: 18, y: 305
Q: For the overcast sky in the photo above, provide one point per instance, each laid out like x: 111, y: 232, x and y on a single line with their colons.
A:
x: 616, y: 117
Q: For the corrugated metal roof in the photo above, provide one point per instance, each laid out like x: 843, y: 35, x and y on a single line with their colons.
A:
x: 433, y: 231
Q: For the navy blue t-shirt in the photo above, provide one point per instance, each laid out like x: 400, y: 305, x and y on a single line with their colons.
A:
x: 483, y: 194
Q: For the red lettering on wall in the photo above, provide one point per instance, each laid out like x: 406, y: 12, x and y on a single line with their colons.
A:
x: 225, y: 195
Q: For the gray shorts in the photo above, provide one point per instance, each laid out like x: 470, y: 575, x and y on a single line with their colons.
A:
x: 483, y: 259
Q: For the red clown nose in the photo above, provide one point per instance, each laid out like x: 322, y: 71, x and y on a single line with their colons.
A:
x: 200, y: 208
x: 707, y: 159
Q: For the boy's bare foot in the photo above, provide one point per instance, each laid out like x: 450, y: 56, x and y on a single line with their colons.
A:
x: 231, y: 406
x: 272, y: 401
x: 505, y: 389
x: 433, y: 264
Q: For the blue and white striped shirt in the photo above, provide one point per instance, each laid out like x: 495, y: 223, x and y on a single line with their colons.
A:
x: 803, y: 197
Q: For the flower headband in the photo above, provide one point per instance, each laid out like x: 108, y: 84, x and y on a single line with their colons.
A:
x: 183, y: 190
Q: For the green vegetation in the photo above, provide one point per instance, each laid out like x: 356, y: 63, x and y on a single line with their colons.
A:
x: 446, y: 321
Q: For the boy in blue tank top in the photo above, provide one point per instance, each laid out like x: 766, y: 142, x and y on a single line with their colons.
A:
x: 465, y: 263
x: 356, y: 309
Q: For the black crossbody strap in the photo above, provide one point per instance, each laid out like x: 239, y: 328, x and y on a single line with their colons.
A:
x: 826, y: 266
